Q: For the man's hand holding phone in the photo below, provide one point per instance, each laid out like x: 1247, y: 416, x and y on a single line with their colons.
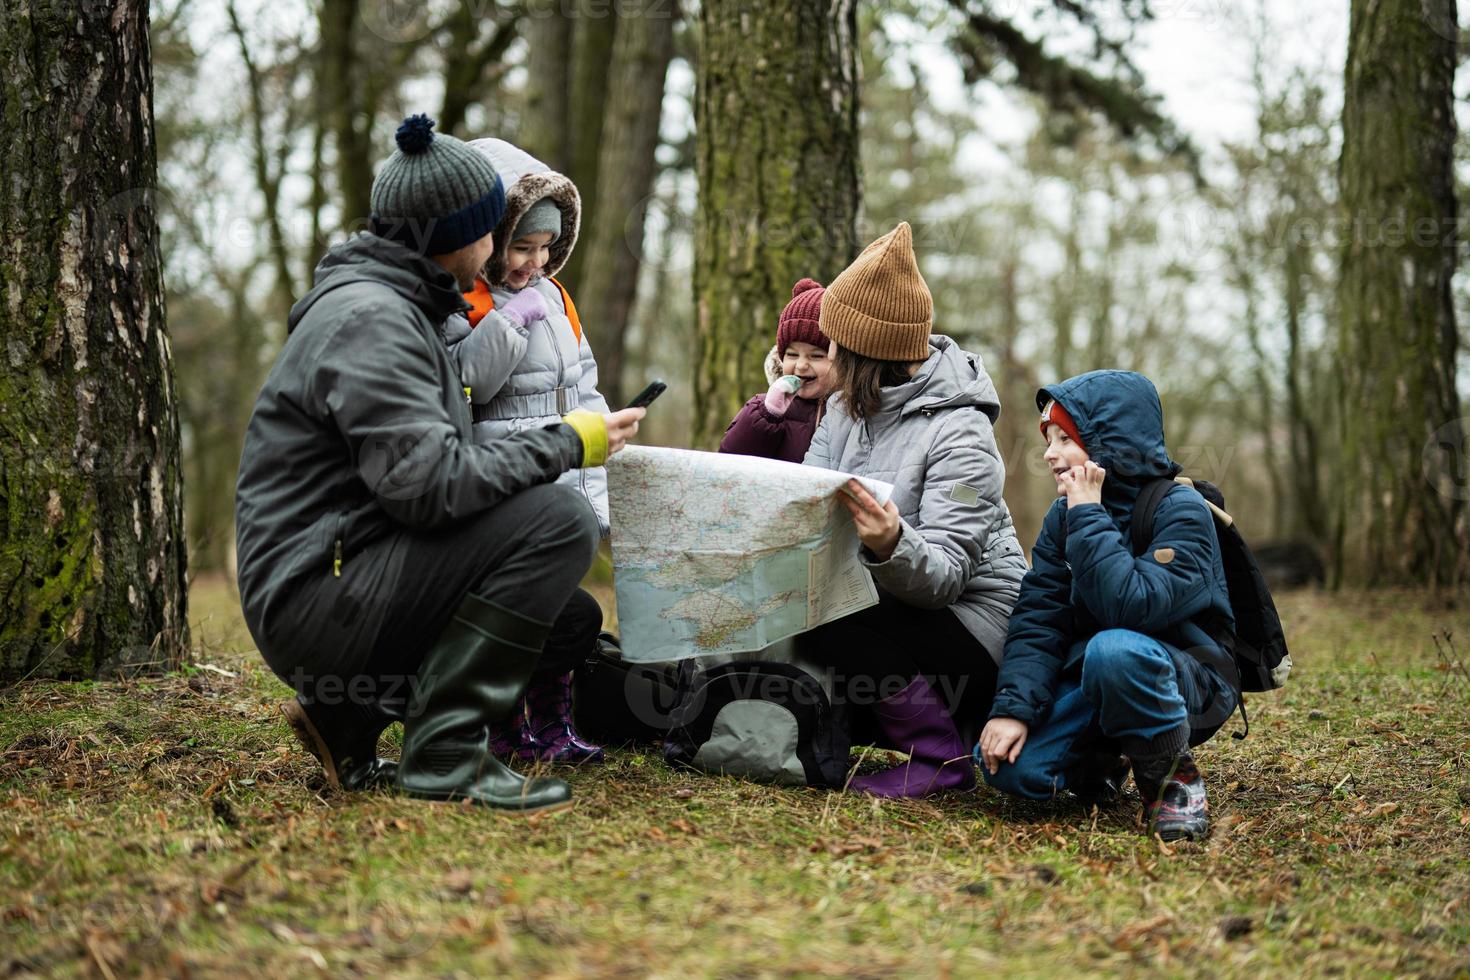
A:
x: 621, y: 427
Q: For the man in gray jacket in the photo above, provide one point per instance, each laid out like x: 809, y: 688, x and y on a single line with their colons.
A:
x: 389, y: 567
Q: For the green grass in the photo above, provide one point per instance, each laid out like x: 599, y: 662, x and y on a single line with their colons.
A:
x: 172, y: 826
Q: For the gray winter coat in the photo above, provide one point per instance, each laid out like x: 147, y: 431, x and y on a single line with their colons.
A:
x: 362, y: 428
x: 527, y: 377
x: 932, y: 439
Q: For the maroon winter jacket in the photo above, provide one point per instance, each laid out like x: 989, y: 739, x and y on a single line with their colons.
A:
x: 756, y: 432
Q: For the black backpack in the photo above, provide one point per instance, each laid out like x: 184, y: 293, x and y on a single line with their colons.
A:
x: 1258, y: 641
x: 620, y: 703
x: 769, y: 717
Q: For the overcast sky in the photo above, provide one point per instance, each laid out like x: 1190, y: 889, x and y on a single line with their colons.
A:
x: 1194, y: 55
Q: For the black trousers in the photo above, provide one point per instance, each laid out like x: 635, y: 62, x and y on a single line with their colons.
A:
x: 876, y: 653
x: 573, y: 636
x: 364, y: 634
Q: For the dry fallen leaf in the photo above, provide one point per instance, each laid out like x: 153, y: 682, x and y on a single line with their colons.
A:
x: 1138, y: 930
x: 460, y: 882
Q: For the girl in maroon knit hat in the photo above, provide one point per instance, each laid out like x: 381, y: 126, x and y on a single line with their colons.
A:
x: 780, y: 423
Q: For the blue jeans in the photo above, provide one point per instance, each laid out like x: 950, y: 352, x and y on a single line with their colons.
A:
x: 1136, y: 692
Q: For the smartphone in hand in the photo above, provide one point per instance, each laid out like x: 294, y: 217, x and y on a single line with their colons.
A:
x: 645, y: 397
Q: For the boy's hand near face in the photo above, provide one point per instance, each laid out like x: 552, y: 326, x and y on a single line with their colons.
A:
x: 1001, y: 741
x: 1083, y: 484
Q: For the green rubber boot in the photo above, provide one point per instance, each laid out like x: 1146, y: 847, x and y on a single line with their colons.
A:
x: 473, y: 679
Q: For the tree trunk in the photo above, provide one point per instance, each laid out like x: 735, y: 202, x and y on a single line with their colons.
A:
x: 1304, y: 420
x: 348, y: 109
x: 92, y: 561
x: 546, y: 134
x: 613, y: 245
x: 469, y: 62
x: 1400, y: 412
x: 776, y: 153
x: 592, y: 55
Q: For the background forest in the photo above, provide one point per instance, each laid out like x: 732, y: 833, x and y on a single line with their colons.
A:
x: 1256, y: 205
x: 1254, y: 202
x: 1064, y: 219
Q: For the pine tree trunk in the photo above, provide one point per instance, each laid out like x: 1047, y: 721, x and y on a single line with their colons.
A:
x: 1400, y: 413
x: 777, y: 161
x: 613, y: 245
x: 92, y: 562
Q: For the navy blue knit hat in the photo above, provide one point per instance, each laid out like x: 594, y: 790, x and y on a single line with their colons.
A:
x: 435, y: 194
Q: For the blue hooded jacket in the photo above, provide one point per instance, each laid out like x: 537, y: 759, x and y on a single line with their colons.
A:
x: 1084, y: 577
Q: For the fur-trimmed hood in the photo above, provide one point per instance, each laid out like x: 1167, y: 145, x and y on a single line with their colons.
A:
x: 527, y: 180
x: 773, y: 366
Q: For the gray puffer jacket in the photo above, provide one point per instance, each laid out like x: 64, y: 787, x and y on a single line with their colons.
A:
x: 932, y: 439
x: 361, y: 429
x: 527, y: 377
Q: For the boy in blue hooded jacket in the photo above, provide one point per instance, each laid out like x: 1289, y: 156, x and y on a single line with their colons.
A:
x: 1108, y: 651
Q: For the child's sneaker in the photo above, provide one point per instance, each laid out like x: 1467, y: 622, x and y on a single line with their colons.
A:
x: 1175, y: 807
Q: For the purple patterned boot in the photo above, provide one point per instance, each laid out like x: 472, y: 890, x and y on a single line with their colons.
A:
x: 511, y: 739
x: 916, y: 720
x: 549, y: 727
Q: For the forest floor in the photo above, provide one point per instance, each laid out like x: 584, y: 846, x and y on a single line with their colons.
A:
x: 172, y: 826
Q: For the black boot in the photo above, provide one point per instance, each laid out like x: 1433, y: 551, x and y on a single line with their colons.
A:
x: 344, y: 739
x: 470, y: 681
x: 1098, y: 780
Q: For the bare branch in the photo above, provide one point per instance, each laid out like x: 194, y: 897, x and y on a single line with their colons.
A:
x: 1066, y: 87
x: 269, y: 183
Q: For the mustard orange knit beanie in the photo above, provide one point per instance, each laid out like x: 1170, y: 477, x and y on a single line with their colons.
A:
x: 880, y: 306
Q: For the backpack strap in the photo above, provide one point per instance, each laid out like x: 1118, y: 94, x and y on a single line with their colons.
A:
x: 480, y: 300
x: 566, y: 299
x: 1141, y: 531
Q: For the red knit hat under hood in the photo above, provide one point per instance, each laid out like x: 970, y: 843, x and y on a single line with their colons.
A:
x: 1055, y: 414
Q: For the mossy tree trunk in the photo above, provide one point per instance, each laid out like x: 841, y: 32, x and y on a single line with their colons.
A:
x: 776, y: 132
x: 613, y: 245
x: 1402, y: 439
x: 593, y: 39
x: 92, y: 561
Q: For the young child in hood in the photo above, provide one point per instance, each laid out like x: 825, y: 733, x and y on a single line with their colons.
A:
x: 780, y: 423
x: 1109, y: 651
x: 525, y: 362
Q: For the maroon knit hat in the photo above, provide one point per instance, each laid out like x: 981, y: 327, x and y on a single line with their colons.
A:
x: 799, y: 319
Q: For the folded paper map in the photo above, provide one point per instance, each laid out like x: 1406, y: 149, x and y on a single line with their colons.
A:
x: 718, y: 553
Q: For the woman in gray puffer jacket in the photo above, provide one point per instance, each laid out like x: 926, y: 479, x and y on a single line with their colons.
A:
x: 914, y: 410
